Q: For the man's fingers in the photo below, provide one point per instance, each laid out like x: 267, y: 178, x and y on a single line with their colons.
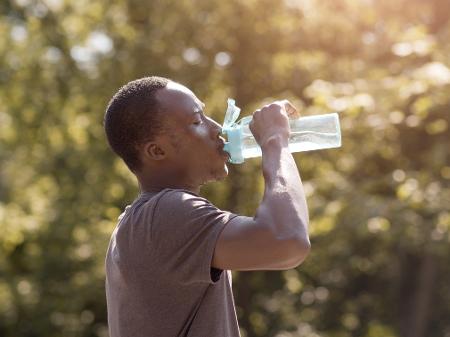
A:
x: 291, y: 110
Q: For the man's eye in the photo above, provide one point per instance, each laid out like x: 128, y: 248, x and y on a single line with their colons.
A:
x: 197, y: 122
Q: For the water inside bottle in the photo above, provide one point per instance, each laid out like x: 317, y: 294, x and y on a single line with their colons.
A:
x: 306, y: 135
x: 298, y: 142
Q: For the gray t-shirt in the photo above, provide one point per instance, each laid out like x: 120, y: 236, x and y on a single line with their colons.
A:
x: 159, y: 280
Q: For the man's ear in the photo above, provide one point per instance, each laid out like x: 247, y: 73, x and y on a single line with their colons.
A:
x: 154, y: 151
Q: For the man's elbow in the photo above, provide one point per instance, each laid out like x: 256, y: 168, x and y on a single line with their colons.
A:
x: 303, y: 249
x: 296, y: 252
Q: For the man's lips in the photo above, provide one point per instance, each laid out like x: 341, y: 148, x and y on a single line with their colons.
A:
x: 221, y: 144
x: 222, y: 151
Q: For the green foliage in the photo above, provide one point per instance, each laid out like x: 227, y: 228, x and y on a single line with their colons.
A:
x: 380, y: 214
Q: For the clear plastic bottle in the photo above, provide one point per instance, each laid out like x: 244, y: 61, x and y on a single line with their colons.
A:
x: 307, y: 133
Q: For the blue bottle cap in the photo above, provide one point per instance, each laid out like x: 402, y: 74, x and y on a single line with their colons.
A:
x: 233, y: 132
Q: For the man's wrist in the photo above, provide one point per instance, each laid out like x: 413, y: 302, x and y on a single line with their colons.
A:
x: 275, y: 142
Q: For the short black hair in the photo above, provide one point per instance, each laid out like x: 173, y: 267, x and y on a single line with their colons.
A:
x: 133, y: 117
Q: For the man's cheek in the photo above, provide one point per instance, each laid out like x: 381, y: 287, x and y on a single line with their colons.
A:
x: 201, y: 133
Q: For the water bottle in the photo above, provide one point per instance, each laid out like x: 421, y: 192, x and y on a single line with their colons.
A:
x: 307, y: 133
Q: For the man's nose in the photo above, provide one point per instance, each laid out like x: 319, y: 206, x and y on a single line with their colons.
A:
x: 217, y: 128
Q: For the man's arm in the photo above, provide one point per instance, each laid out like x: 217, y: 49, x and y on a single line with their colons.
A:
x: 277, y: 237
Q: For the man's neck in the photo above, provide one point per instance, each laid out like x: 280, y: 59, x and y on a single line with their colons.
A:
x: 155, y: 189
x: 155, y: 183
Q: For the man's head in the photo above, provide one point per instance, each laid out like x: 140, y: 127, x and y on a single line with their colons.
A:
x: 133, y: 116
x: 158, y: 128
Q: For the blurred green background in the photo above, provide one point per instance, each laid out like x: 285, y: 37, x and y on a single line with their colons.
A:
x: 379, y: 205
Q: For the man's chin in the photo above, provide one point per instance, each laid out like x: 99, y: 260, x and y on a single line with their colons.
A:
x: 219, y: 174
x: 222, y: 174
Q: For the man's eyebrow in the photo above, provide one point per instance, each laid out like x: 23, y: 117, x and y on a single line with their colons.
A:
x: 198, y: 110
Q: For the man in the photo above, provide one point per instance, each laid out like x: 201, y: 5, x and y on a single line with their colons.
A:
x: 168, y: 262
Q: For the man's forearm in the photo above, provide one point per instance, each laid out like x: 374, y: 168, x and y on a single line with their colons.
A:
x: 284, y: 203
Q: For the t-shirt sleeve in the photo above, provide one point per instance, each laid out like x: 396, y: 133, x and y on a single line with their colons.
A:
x: 184, y: 232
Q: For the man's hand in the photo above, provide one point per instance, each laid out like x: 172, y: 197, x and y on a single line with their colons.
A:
x: 272, y: 121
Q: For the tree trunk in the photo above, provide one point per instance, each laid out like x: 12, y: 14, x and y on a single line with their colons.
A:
x: 416, y: 309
